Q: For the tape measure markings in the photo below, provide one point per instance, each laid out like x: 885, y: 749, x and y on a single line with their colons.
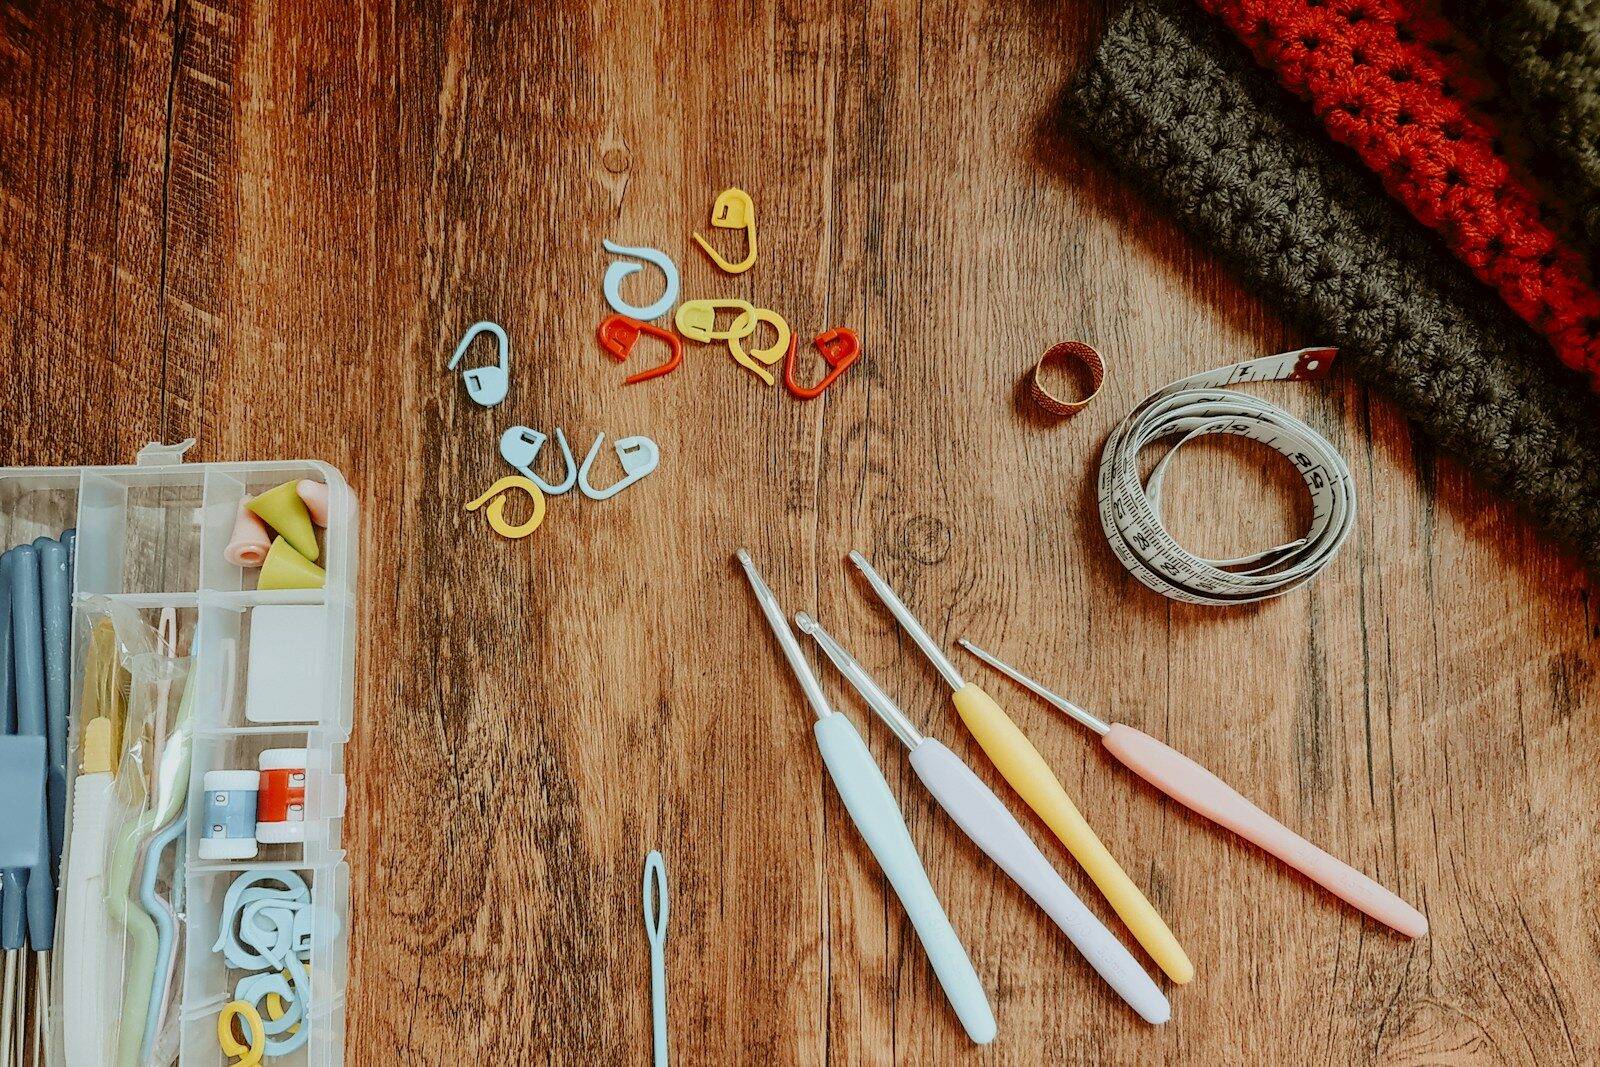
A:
x: 1198, y: 406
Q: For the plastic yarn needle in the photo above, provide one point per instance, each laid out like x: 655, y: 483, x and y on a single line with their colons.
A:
x: 655, y: 925
x: 1191, y: 785
x: 143, y: 933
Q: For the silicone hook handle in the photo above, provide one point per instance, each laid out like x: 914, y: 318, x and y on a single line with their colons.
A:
x: 1016, y: 758
x: 982, y: 816
x: 1192, y: 785
x: 873, y: 809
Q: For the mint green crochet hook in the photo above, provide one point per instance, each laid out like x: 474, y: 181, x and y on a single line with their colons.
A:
x: 172, y: 776
x: 877, y: 817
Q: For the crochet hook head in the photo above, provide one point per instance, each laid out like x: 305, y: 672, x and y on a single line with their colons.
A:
x: 909, y: 623
x: 1093, y: 722
x: 857, y: 676
x: 780, y: 629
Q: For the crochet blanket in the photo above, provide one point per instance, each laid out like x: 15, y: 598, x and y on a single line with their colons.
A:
x: 1550, y: 50
x: 1185, y: 114
x: 1394, y: 81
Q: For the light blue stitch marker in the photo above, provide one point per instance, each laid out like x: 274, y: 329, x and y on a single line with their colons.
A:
x: 655, y: 925
x: 519, y: 446
x: 621, y: 269
x: 638, y: 456
x: 487, y: 386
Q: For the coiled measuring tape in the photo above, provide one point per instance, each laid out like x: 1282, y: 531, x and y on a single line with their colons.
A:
x: 1197, y: 406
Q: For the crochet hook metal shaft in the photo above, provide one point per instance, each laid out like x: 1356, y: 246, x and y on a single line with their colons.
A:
x: 982, y: 817
x: 1016, y: 758
x: 1191, y: 785
x: 873, y: 809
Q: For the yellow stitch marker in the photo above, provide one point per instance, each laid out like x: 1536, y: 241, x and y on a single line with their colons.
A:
x: 734, y: 210
x: 495, y: 498
x: 697, y: 319
x: 766, y: 356
x: 249, y: 1055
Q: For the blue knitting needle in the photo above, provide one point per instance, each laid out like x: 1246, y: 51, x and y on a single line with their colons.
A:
x: 27, y: 639
x: 13, y: 880
x: 55, y: 585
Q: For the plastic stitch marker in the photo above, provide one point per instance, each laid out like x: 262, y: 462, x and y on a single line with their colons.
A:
x: 284, y: 568
x: 766, y: 356
x: 250, y: 541
x: 487, y: 386
x: 697, y: 319
x: 254, y: 1046
x: 839, y: 347
x: 622, y: 268
x: 655, y: 926
x: 734, y: 210
x: 495, y: 498
x: 519, y: 446
x: 618, y: 333
x: 638, y: 456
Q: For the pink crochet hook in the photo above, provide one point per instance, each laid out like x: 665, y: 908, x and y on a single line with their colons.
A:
x: 1185, y: 781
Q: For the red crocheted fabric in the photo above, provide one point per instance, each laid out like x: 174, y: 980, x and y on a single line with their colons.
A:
x: 1395, y: 82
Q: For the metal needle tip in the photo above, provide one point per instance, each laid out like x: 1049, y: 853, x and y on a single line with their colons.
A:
x: 1093, y: 722
x: 864, y: 683
x: 780, y: 629
x: 909, y: 623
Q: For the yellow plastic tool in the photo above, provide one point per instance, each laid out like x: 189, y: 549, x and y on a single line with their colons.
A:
x: 766, y: 356
x: 734, y: 210
x: 249, y: 1054
x: 285, y: 568
x: 282, y: 509
x: 697, y: 319
x: 495, y: 497
x: 1021, y: 765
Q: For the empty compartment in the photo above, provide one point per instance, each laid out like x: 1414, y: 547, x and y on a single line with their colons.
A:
x: 36, y: 504
x: 212, y: 979
x: 237, y: 537
x: 141, y: 531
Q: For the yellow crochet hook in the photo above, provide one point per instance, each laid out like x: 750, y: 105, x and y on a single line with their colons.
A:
x: 1021, y: 765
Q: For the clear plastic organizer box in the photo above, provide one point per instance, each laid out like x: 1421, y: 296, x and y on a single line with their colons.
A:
x: 152, y: 536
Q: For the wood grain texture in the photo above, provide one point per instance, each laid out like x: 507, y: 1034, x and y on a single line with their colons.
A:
x: 266, y: 226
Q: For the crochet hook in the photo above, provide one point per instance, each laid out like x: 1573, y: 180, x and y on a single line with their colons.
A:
x: 1191, y: 785
x: 1021, y: 765
x: 982, y: 817
x: 873, y: 809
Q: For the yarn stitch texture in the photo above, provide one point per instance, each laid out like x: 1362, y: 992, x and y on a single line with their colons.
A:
x: 1394, y: 81
x: 1184, y: 113
x: 1550, y: 50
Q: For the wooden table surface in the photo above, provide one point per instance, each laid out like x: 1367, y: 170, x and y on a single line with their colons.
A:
x: 268, y: 228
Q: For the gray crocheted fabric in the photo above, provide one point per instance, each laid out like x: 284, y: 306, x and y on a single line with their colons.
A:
x: 1550, y: 51
x: 1186, y: 114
